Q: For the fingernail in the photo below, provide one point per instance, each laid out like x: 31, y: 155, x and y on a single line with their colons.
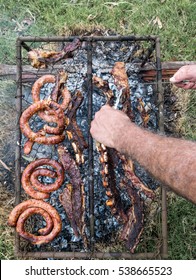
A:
x: 172, y: 80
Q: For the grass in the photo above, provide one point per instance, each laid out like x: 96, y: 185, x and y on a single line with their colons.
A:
x: 6, y: 244
x: 173, y: 21
x: 6, y: 233
x: 188, y: 121
x: 181, y: 229
x: 181, y: 213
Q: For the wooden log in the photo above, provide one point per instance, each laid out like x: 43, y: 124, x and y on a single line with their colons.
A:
x: 30, y: 74
x: 168, y: 70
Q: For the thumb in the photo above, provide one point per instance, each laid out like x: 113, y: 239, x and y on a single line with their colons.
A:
x: 186, y: 72
x: 177, y: 77
x: 173, y: 79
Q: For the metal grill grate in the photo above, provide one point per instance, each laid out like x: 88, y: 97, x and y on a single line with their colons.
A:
x: 151, y: 54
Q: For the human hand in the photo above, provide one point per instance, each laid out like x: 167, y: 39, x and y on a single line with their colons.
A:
x: 185, y: 77
x: 109, y: 125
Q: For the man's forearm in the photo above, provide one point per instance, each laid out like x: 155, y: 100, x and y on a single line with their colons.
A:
x: 170, y: 160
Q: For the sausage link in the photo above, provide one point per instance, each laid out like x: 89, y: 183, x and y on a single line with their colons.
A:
x: 17, y: 222
x: 32, y: 211
x: 60, y: 80
x: 28, y: 147
x: 30, y: 181
x: 29, y: 144
x: 36, y: 137
x: 39, y: 83
x: 47, y: 115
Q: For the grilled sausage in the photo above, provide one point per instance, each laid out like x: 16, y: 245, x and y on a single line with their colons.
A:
x: 18, y: 216
x: 36, y: 137
x: 30, y: 175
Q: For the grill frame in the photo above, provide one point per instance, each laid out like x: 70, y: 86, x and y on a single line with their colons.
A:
x: 22, y: 42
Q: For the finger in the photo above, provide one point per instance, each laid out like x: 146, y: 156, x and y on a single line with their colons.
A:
x: 178, y: 76
x: 91, y: 130
x: 102, y: 112
x: 173, y: 80
x: 184, y: 73
x: 97, y: 115
x: 106, y: 106
x: 93, y: 127
x: 190, y: 85
x: 180, y: 85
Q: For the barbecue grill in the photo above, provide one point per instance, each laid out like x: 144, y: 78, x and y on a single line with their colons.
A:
x: 135, y: 52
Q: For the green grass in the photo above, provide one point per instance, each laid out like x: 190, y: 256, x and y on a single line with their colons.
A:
x: 177, y: 29
x: 173, y: 21
x: 6, y: 244
x: 189, y: 122
x: 181, y: 213
x: 181, y: 229
x: 6, y: 233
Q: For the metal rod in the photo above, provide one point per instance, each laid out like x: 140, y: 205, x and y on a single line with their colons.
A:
x: 148, y: 53
x: 85, y: 255
x: 161, y: 128
x: 25, y: 46
x: 87, y: 38
x: 90, y: 144
x: 18, y: 132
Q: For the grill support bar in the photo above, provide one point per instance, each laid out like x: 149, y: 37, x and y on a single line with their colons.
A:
x: 85, y: 38
x: 85, y: 255
x: 161, y: 128
x: 90, y: 144
x: 18, y: 134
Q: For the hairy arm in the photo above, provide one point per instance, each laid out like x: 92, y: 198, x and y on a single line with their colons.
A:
x: 170, y: 160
